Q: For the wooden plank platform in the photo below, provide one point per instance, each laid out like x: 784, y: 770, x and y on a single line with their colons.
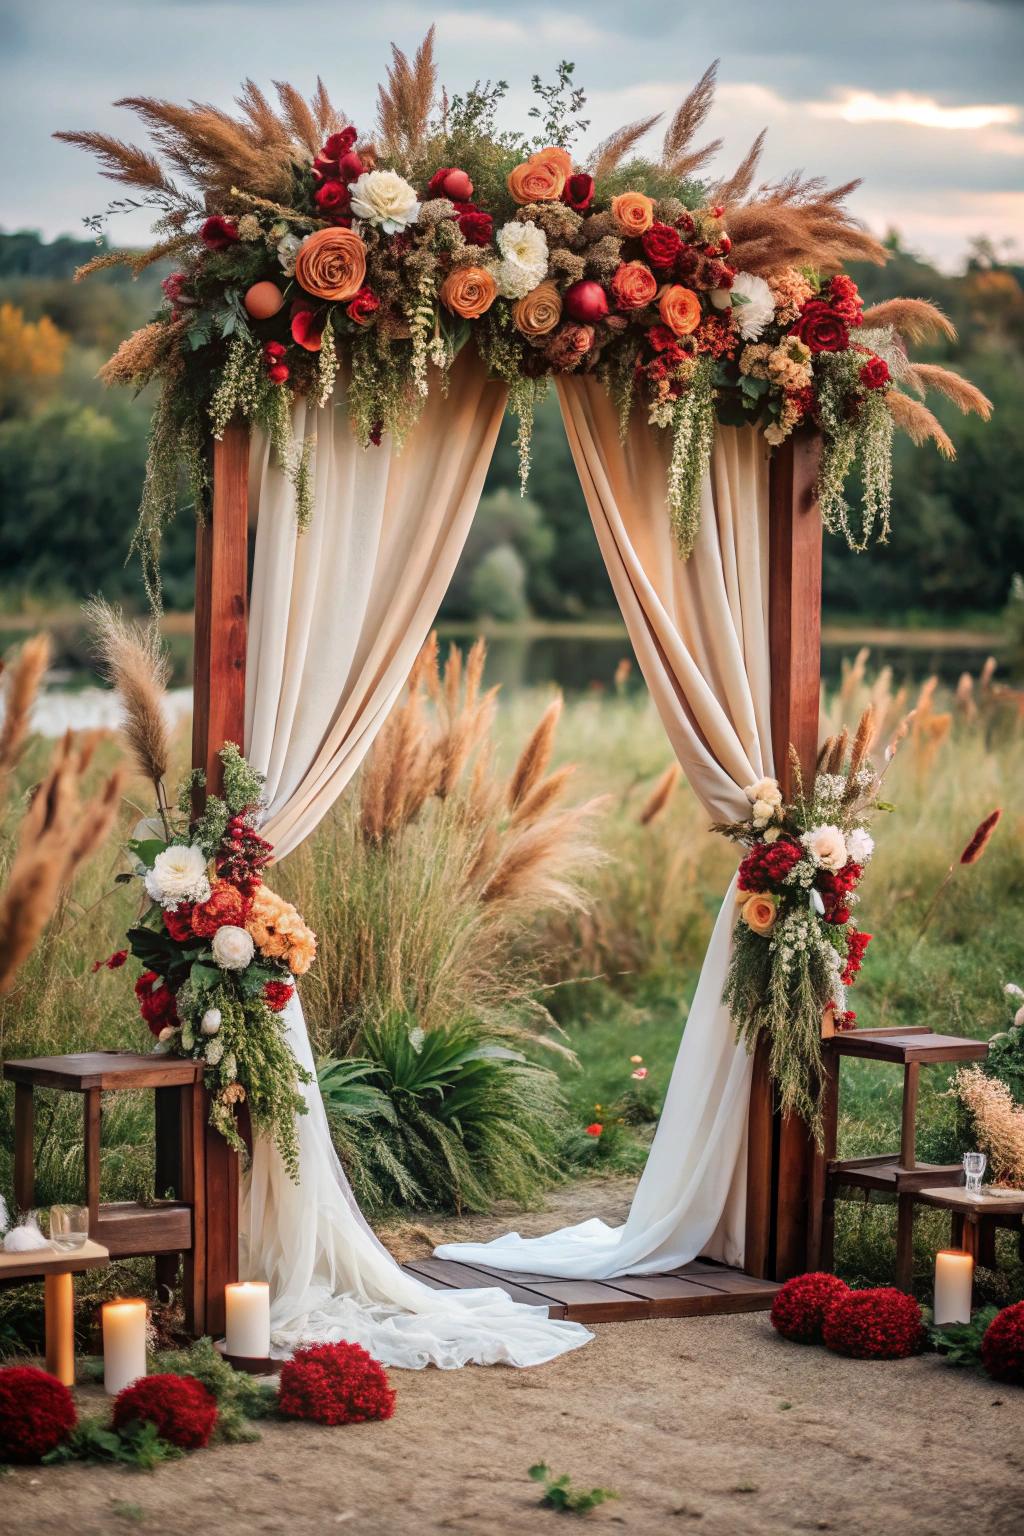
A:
x: 700, y: 1289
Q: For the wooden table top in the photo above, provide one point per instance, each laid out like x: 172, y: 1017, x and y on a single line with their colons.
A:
x: 53, y: 1261
x: 987, y: 1203
x: 103, y: 1069
x: 905, y: 1046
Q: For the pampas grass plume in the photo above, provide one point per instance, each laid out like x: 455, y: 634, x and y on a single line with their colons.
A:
x: 981, y: 839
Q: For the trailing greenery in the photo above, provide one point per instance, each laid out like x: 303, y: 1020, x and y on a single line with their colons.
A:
x: 241, y: 1398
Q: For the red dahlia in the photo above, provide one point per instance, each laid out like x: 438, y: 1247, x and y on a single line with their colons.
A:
x: 661, y: 245
x: 1002, y: 1348
x: 880, y: 1324
x: 335, y: 1384
x: 37, y: 1412
x: 768, y: 864
x: 799, y: 1309
x: 182, y: 1409
x: 476, y: 228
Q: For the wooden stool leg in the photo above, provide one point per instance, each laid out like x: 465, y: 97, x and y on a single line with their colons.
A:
x: 92, y: 1157
x: 24, y: 1152
x: 60, y: 1327
x: 820, y: 1159
x: 908, y: 1131
x: 987, y: 1242
x: 193, y: 1192
x: 905, y: 1242
x: 969, y: 1239
x: 956, y: 1229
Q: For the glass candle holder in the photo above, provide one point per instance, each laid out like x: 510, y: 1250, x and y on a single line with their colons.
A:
x: 69, y: 1226
x: 975, y: 1164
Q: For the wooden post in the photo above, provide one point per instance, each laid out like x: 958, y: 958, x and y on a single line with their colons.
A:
x: 218, y: 716
x: 779, y: 1166
x: 59, y: 1291
x: 24, y: 1148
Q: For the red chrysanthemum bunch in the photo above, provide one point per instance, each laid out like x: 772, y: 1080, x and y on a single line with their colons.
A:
x: 879, y: 1324
x: 845, y: 299
x: 37, y: 1413
x: 835, y: 885
x: 856, y: 944
x: 182, y: 1409
x: 1002, y: 1348
x: 277, y: 995
x: 800, y: 1308
x: 156, y: 1002
x: 768, y: 864
x: 335, y: 1384
x: 874, y: 374
x: 243, y: 855
x: 225, y: 905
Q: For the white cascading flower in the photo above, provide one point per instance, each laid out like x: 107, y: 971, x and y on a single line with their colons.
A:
x: 178, y: 874
x: 385, y: 199
x: 756, y: 308
x: 232, y: 947
x: 524, y: 264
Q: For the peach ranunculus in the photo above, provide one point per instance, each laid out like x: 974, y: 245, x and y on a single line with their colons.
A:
x: 634, y: 285
x: 469, y: 292
x: 759, y: 914
x: 538, y: 180
x: 559, y: 159
x: 633, y: 212
x: 279, y: 932
x: 331, y: 264
x: 540, y: 311
x: 679, y: 307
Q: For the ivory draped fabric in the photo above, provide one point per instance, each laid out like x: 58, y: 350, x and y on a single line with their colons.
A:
x: 700, y: 631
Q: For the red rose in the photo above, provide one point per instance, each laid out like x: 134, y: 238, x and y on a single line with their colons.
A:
x: 476, y: 228
x: 156, y: 1002
x: 350, y: 167
x: 579, y: 192
x: 661, y: 245
x: 568, y: 344
x: 435, y: 186
x: 217, y: 233
x: 339, y: 143
x: 362, y: 306
x: 279, y: 373
x: 277, y: 995
x: 333, y: 196
x: 324, y: 169
x: 178, y: 922
x: 845, y: 299
x: 875, y: 373
x: 274, y: 352
x: 820, y: 328
x: 307, y: 330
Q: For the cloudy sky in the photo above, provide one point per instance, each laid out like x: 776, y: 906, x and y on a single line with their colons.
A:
x: 922, y: 98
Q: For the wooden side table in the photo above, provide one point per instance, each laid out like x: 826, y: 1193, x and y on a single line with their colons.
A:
x: 974, y: 1219
x: 56, y: 1268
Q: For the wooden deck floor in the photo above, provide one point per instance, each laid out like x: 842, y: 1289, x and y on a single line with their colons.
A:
x: 700, y: 1289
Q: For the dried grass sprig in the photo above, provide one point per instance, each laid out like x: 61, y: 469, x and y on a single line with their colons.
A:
x: 916, y: 319
x: 122, y: 162
x: 403, y: 108
x: 300, y: 117
x: 22, y: 685
x: 612, y: 150
x: 796, y: 223
x: 535, y: 756
x: 134, y: 659
x: 677, y: 158
x: 838, y: 752
x: 981, y: 838
x: 917, y: 421
x: 660, y: 795
x: 862, y: 739
x: 964, y: 395
x: 528, y: 873
x: 738, y: 185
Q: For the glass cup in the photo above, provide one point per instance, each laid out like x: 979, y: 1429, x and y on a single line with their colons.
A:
x: 69, y: 1226
x: 975, y: 1164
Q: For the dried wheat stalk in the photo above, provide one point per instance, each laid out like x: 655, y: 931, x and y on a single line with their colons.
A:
x: 917, y: 421
x: 133, y: 658
x: 965, y: 395
x: 22, y: 686
x: 660, y: 795
x: 535, y: 756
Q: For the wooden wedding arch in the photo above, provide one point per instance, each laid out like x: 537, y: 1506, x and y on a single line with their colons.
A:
x: 785, y: 1171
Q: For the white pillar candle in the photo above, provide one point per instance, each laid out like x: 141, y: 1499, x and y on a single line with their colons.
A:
x: 954, y: 1279
x: 124, y: 1344
x: 247, y: 1313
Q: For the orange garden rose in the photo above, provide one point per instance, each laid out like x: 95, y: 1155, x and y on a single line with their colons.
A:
x: 558, y: 159
x: 469, y: 292
x: 540, y: 311
x: 634, y: 285
x: 633, y: 212
x: 759, y: 914
x: 679, y: 307
x: 539, y: 179
x: 331, y: 264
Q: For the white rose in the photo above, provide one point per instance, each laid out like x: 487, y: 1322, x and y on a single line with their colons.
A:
x: 524, y: 248
x: 765, y: 789
x: 178, y: 874
x: 756, y: 307
x: 827, y: 847
x: 860, y: 845
x: 233, y: 948
x: 386, y: 199
x: 211, y: 1021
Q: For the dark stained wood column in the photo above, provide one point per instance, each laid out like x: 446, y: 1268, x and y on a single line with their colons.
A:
x: 218, y: 716
x: 780, y: 1149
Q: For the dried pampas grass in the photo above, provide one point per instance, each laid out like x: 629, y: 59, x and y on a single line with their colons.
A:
x: 22, y: 685
x: 677, y: 158
x: 998, y: 1122
x: 660, y: 795
x: 796, y: 223
x: 535, y: 756
x: 917, y: 421
x: 915, y: 319
x: 965, y: 395
x: 613, y: 150
x: 403, y: 107
x: 133, y: 658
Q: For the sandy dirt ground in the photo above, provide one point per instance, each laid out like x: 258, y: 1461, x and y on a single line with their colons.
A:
x: 713, y: 1425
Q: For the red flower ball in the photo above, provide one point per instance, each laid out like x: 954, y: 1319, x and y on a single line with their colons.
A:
x: 799, y: 1309
x: 595, y: 1129
x: 37, y: 1413
x: 335, y: 1384
x: 1002, y: 1348
x: 362, y: 306
x: 277, y: 995
x: 579, y: 192
x: 182, y: 1409
x: 768, y: 864
x: 218, y: 233
x: 278, y: 373
x: 586, y: 302
x: 661, y: 245
x: 875, y: 373
x: 476, y: 228
x: 821, y: 328
x: 881, y: 1324
x: 274, y: 352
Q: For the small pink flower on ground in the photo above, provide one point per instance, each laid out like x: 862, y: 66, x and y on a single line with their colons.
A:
x: 641, y: 1072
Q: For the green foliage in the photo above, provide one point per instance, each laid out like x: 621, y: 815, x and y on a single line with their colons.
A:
x: 559, y: 111
x: 560, y: 1494
x: 240, y: 1397
x: 960, y: 1343
x: 1005, y: 1059
x: 135, y: 1445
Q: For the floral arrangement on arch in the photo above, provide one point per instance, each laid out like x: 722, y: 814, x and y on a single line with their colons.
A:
x: 796, y: 946
x: 304, y: 246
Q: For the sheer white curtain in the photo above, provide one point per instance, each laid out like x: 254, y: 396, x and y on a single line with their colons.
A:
x: 338, y: 615
x: 700, y: 631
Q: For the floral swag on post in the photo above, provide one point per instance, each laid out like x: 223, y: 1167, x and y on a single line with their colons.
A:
x: 302, y: 245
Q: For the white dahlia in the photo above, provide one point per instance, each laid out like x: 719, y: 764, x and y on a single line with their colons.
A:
x: 232, y: 947
x: 178, y: 874
x: 524, y: 264
x: 757, y: 311
x: 386, y: 199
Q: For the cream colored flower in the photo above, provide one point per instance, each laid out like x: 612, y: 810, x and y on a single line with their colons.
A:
x: 827, y: 846
x: 860, y: 845
x: 775, y: 435
x: 756, y: 308
x: 762, y: 813
x: 766, y: 790
x: 524, y: 264
x: 386, y: 199
x: 178, y: 874
x: 232, y: 947
x: 211, y: 1021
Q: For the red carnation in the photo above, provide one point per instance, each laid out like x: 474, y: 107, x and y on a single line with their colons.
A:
x: 875, y: 373
x: 799, y: 1309
x: 660, y: 337
x: 1002, y: 1348
x: 362, y: 306
x: 334, y: 196
x: 768, y: 864
x: 856, y: 944
x: 37, y: 1413
x: 845, y: 299
x: 335, y: 1384
x: 180, y: 1407
x: 476, y: 228
x: 339, y: 143
x: 178, y: 922
x: 879, y: 1324
x: 820, y: 328
x: 579, y: 191
x: 218, y: 233
x: 661, y: 245
x: 277, y: 995
x: 307, y: 330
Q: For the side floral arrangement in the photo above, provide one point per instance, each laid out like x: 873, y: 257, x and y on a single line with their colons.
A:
x: 796, y: 946
x: 304, y: 246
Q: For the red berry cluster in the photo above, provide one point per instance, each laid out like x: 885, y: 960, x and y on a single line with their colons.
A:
x: 37, y: 1413
x: 243, y: 855
x: 277, y: 995
x: 880, y: 1324
x: 768, y: 864
x: 182, y: 1409
x: 856, y: 944
x: 799, y: 1309
x: 335, y: 1384
x: 156, y: 1002
x: 1002, y: 1348
x: 475, y: 226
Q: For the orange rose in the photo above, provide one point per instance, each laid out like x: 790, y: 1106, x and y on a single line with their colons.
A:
x: 331, y: 264
x: 634, y: 285
x: 679, y: 307
x: 633, y: 212
x: 558, y: 159
x: 540, y: 311
x: 538, y: 180
x: 759, y: 914
x: 469, y: 291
